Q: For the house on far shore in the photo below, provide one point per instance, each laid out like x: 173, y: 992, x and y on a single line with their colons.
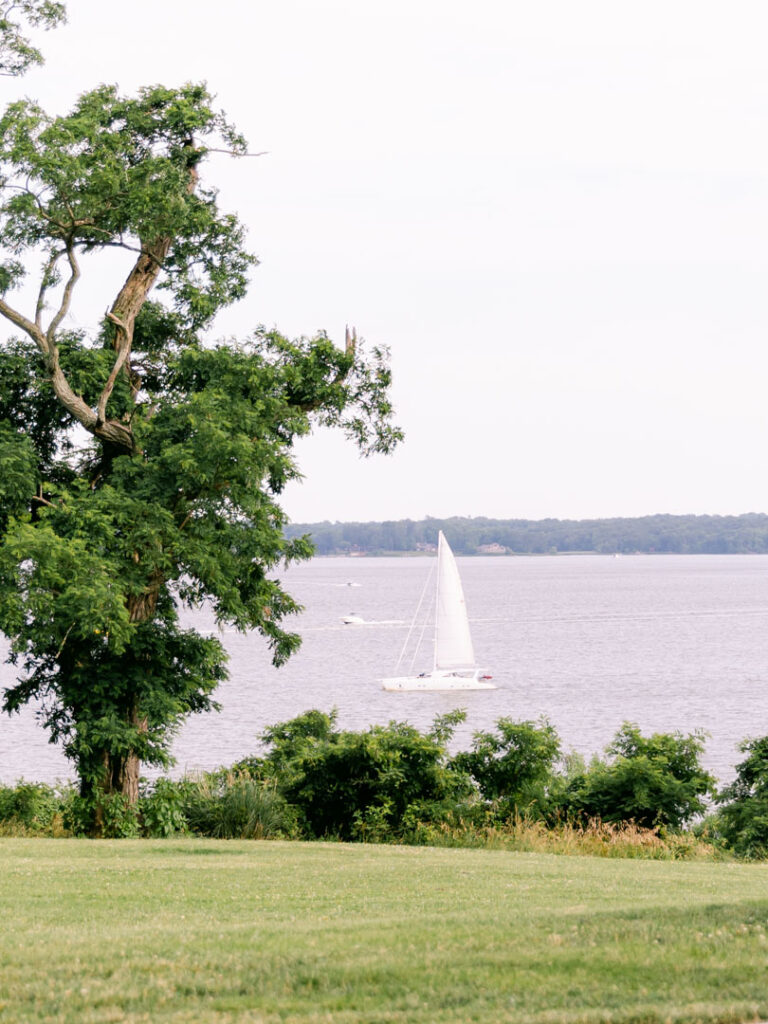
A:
x: 491, y: 549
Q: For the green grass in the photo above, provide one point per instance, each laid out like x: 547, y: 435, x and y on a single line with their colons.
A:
x: 206, y: 931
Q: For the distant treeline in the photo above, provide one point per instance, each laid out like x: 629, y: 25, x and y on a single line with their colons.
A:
x: 665, y: 534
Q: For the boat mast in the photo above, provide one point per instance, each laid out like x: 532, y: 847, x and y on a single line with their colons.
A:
x: 440, y: 542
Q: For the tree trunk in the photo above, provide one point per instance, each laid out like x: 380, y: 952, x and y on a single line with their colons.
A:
x: 128, y: 769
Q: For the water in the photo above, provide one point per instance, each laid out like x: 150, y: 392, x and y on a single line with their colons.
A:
x: 669, y: 642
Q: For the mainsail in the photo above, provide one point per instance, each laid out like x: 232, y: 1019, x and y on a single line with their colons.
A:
x: 453, y: 641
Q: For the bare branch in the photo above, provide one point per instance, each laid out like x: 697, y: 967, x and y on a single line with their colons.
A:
x: 123, y: 349
x: 350, y: 341
x: 44, y: 286
x: 124, y: 245
x: 66, y: 299
x: 26, y: 325
x: 232, y: 152
x: 63, y: 642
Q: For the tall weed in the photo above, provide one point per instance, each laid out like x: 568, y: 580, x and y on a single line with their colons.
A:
x: 595, y: 838
x: 237, y: 807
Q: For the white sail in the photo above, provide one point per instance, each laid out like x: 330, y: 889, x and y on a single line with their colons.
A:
x: 453, y: 641
x: 454, y: 665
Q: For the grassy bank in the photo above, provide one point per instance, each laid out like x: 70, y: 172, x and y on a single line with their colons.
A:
x: 204, y: 931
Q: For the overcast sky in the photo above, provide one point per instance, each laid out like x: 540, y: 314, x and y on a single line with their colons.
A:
x: 554, y: 213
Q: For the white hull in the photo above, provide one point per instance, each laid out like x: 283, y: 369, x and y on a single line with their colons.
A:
x: 438, y: 681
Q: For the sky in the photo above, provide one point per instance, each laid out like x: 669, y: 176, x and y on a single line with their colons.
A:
x: 555, y: 214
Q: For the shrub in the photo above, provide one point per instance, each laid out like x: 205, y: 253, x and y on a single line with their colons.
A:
x: 112, y: 817
x: 742, y: 821
x: 359, y: 785
x: 651, y: 781
x: 30, y: 808
x: 236, y: 807
x: 162, y: 809
x: 513, y: 765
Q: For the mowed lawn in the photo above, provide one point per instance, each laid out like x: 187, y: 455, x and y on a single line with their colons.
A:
x: 195, y: 930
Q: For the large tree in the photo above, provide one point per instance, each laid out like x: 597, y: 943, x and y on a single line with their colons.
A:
x: 142, y: 465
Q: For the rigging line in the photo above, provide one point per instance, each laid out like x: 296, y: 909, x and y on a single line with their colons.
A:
x: 418, y: 645
x: 413, y: 620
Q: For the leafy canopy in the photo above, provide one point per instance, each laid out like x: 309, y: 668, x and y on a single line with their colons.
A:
x: 651, y: 780
x: 143, y: 465
x: 743, y: 816
x: 17, y: 54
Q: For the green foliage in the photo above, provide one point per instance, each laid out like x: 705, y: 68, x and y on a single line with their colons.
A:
x: 31, y: 805
x: 233, y: 806
x: 162, y: 810
x: 652, y: 781
x: 513, y: 765
x: 360, y: 784
x: 120, y: 817
x: 742, y: 819
x: 17, y: 54
x: 29, y: 410
x: 110, y: 815
x: 117, y: 172
x: 174, y: 498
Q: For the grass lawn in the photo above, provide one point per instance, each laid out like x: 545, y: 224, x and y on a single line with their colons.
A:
x: 206, y: 931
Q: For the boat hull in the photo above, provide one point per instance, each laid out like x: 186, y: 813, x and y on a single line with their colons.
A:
x: 437, y: 681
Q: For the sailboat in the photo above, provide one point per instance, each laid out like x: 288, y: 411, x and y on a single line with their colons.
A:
x: 454, y: 665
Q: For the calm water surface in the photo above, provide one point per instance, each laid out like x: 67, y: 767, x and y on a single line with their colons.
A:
x: 669, y: 642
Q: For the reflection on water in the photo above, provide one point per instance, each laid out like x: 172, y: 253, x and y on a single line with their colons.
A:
x: 670, y: 642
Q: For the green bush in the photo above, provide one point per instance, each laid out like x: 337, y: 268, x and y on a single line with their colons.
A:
x: 29, y: 807
x: 742, y: 821
x: 227, y: 806
x: 162, y: 809
x: 360, y: 785
x: 112, y: 816
x: 652, y: 781
x: 513, y: 766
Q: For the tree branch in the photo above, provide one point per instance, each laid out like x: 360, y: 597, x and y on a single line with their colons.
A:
x: 26, y: 325
x: 233, y: 152
x: 66, y: 299
x: 122, y: 348
x: 114, y: 432
x: 44, y: 286
x: 350, y: 341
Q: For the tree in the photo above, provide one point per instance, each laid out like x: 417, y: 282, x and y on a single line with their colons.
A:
x: 513, y: 765
x: 142, y: 466
x: 651, y: 780
x: 17, y: 54
x: 743, y: 817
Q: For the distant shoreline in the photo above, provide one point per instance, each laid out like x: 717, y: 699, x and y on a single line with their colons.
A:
x: 531, y: 554
x: 645, y: 535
